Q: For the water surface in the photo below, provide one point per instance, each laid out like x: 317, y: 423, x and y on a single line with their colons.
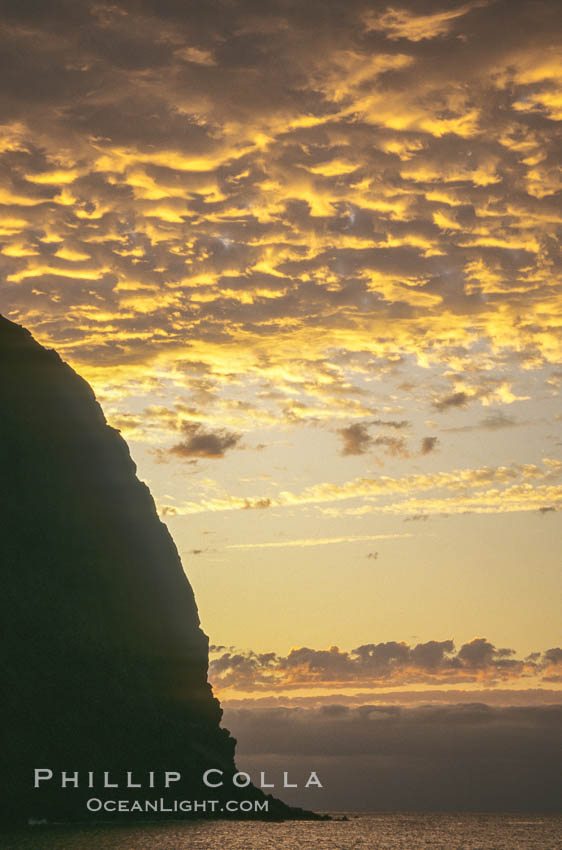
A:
x: 360, y: 832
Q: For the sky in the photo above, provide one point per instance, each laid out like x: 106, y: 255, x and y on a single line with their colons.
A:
x: 307, y: 256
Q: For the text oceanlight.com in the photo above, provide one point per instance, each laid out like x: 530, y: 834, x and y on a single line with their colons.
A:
x: 160, y: 805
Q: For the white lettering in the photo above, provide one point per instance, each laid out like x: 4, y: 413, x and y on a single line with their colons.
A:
x: 206, y: 778
x: 241, y: 779
x: 286, y: 783
x: 313, y: 780
x: 47, y: 774
x: 265, y: 784
x: 69, y: 778
x: 171, y: 776
x: 130, y: 783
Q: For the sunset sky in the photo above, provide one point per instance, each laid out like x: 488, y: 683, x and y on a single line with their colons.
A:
x: 306, y: 253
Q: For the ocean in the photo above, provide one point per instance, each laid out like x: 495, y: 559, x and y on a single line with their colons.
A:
x: 361, y: 832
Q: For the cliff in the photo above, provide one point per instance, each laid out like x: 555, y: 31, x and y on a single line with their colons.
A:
x: 103, y: 662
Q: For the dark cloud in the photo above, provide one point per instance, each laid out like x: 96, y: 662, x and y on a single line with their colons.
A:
x: 379, y: 665
x: 552, y: 663
x: 428, y: 445
x: 201, y: 443
x: 385, y: 757
x: 356, y: 439
x: 393, y: 446
x: 459, y: 399
x: 553, y: 656
x: 478, y: 653
x: 426, y: 696
x: 257, y: 504
x: 496, y: 420
x: 492, y: 422
x: 391, y: 423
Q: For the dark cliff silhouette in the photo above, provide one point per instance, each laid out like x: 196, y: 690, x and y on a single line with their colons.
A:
x: 103, y: 662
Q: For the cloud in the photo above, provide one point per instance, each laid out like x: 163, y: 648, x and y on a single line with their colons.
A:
x: 393, y: 446
x: 459, y: 399
x: 492, y: 422
x: 496, y: 696
x: 387, y: 195
x: 356, y: 439
x: 454, y: 757
x: 499, y: 489
x: 403, y: 23
x: 428, y: 445
x: 553, y: 665
x: 496, y: 420
x: 553, y: 656
x: 391, y: 423
x: 380, y: 665
x: 315, y: 541
x: 204, y: 444
x: 257, y: 504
